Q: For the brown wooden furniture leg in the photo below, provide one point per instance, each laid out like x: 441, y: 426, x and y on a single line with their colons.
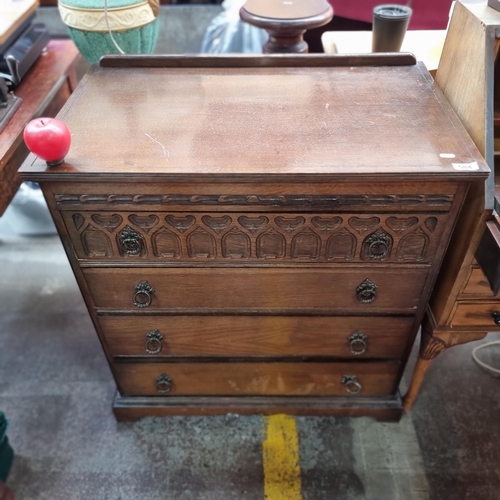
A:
x: 430, y: 347
x: 433, y: 342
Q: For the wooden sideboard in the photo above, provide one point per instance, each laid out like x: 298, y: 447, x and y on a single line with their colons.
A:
x: 258, y: 234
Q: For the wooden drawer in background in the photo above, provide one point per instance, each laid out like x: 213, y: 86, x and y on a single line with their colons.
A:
x: 341, y: 336
x: 257, y: 289
x: 478, y: 285
x: 255, y: 379
x: 477, y: 315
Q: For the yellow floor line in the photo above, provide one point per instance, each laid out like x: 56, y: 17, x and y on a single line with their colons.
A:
x: 280, y: 457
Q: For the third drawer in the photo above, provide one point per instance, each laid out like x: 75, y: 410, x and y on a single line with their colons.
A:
x: 226, y: 336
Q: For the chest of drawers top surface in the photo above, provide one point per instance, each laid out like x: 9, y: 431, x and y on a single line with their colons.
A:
x: 307, y: 119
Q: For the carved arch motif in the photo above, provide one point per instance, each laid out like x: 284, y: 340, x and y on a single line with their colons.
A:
x: 166, y: 244
x: 341, y: 246
x: 200, y: 243
x: 306, y: 245
x: 95, y: 242
x: 271, y: 245
x: 236, y: 245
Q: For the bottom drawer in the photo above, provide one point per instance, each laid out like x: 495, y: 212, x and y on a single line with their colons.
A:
x: 482, y: 315
x: 256, y: 379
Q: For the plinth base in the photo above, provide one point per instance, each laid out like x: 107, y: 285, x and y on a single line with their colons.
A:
x: 387, y: 409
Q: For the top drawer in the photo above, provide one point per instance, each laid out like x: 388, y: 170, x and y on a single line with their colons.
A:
x: 254, y: 237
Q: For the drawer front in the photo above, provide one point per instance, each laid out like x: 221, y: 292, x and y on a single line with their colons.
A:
x: 256, y: 379
x: 255, y: 237
x: 349, y: 337
x: 478, y: 285
x: 481, y: 315
x: 257, y: 289
x: 488, y: 253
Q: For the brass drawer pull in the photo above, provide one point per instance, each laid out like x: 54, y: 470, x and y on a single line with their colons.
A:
x: 379, y: 245
x: 358, y: 343
x: 496, y: 317
x: 163, y: 383
x: 142, y: 296
x: 352, y: 386
x: 153, y: 342
x: 366, y: 292
x: 131, y: 242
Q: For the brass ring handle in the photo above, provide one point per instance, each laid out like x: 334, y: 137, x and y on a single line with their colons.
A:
x: 142, y: 296
x: 131, y: 242
x: 378, y: 249
x: 163, y: 383
x: 496, y: 317
x: 366, y: 292
x: 154, y: 342
x: 351, y: 384
x: 358, y: 343
x: 379, y: 245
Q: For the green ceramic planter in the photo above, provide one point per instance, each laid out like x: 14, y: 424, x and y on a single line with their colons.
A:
x: 133, y: 24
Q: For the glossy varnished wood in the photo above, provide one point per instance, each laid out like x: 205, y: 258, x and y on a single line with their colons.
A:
x: 44, y: 90
x: 293, y: 122
x: 226, y: 336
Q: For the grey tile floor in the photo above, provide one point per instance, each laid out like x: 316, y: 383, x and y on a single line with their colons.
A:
x: 56, y: 391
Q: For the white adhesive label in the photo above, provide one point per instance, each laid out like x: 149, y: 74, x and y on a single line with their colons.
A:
x: 447, y: 155
x: 466, y: 166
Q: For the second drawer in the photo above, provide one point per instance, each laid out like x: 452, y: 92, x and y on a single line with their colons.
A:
x: 344, y: 336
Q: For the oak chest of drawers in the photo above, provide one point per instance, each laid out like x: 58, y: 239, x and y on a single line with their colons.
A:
x: 258, y: 234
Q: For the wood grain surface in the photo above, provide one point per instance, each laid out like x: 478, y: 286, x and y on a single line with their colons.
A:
x: 476, y: 315
x: 256, y: 379
x: 14, y: 14
x: 212, y: 122
x: 477, y: 285
x: 226, y: 336
x: 259, y: 290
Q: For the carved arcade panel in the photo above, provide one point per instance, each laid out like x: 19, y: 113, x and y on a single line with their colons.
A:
x: 210, y: 237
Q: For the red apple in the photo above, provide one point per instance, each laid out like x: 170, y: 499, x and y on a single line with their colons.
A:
x: 48, y: 138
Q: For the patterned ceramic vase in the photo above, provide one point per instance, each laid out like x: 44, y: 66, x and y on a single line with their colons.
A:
x: 133, y: 25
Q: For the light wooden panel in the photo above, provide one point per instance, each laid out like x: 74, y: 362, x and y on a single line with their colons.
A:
x: 13, y: 14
